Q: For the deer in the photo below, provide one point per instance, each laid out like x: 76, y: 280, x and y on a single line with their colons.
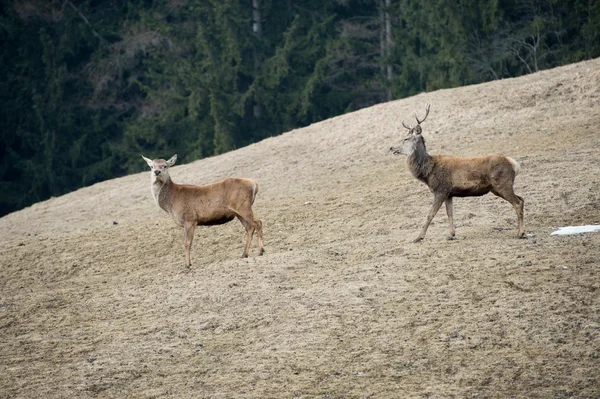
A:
x: 213, y: 204
x: 449, y: 176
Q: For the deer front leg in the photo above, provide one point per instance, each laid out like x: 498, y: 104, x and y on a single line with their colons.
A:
x: 437, y: 203
x: 188, y: 237
x: 450, y: 219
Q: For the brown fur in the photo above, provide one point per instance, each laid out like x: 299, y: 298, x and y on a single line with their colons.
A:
x: 448, y: 177
x: 209, y: 205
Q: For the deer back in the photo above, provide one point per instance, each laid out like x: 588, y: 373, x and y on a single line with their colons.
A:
x: 461, y: 176
x: 213, y: 203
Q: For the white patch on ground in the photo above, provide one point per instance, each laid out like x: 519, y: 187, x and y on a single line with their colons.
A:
x: 575, y: 230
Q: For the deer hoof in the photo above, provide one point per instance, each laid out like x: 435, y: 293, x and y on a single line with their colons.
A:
x: 261, y: 252
x: 451, y: 238
x: 418, y: 239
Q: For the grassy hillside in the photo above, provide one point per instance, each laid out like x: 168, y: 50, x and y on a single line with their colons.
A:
x: 95, y: 300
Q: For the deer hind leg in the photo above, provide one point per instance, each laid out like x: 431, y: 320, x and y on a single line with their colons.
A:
x: 437, y: 203
x: 450, y: 219
x: 261, y: 249
x: 249, y: 233
x: 517, y: 202
x: 252, y: 224
x: 188, y: 237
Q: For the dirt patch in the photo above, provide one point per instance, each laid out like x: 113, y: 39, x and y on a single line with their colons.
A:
x: 95, y: 300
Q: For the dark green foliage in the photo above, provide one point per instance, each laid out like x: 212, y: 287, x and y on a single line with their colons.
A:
x: 86, y: 86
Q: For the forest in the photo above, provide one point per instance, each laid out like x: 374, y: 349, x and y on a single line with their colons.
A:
x: 88, y: 86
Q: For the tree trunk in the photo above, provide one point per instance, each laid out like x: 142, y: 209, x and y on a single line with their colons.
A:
x: 388, y: 47
x: 257, y: 30
x: 382, y: 42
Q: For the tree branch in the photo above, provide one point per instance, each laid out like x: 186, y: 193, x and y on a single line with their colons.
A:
x: 102, y: 39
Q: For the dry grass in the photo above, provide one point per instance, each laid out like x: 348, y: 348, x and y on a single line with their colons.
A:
x: 342, y: 305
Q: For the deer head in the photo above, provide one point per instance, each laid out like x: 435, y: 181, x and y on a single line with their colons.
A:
x: 414, y: 134
x: 160, y: 168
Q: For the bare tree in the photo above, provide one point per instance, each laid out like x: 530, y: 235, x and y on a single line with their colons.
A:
x: 257, y: 31
x: 385, y: 40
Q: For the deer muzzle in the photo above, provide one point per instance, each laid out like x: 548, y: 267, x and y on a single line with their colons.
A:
x: 396, y: 150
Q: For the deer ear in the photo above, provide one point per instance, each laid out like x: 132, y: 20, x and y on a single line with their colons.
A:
x: 172, y: 161
x: 148, y: 161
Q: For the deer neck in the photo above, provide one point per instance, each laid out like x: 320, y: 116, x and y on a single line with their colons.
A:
x: 420, y: 162
x: 161, y: 192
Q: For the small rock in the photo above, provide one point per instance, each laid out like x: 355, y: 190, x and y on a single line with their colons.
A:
x: 526, y: 264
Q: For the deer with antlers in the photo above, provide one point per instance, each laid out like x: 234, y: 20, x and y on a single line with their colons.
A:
x: 449, y: 176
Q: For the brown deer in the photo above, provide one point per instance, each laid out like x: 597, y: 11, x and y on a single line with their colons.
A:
x: 209, y: 205
x: 448, y: 176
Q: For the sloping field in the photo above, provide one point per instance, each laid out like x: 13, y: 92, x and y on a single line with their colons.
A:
x: 95, y: 300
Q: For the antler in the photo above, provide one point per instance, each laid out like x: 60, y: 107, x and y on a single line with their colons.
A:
x: 408, y: 127
x: 426, y: 113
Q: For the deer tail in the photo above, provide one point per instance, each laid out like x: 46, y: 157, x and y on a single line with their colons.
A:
x: 516, y: 166
x: 254, y: 191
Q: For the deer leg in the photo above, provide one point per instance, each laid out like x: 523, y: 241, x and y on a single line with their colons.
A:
x: 450, y: 218
x: 437, y: 203
x: 517, y: 203
x: 261, y: 249
x: 188, y: 237
x: 249, y: 233
x: 249, y: 221
x: 520, y: 213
